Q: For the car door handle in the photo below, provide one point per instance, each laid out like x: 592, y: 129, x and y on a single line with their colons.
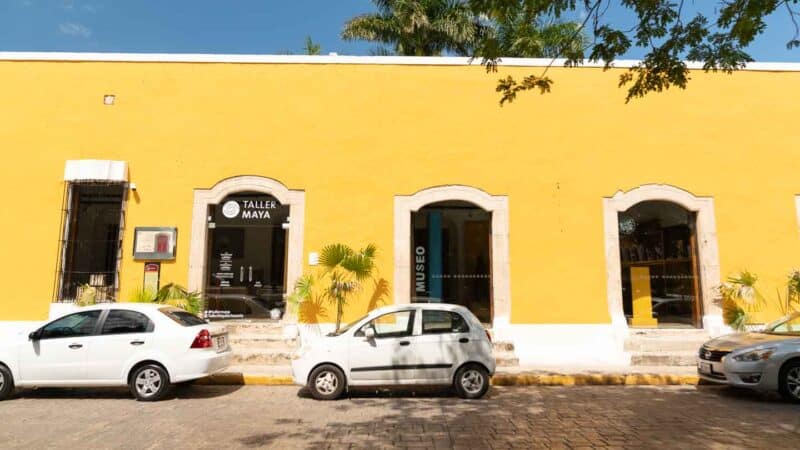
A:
x: 404, y: 343
x: 463, y: 340
x: 75, y: 346
x: 137, y: 342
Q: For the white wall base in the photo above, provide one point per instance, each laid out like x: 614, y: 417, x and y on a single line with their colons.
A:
x: 714, y: 324
x: 13, y: 327
x: 579, y: 345
x: 59, y: 309
x: 310, y: 332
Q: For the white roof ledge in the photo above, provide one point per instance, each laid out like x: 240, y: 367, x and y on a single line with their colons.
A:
x: 337, y: 59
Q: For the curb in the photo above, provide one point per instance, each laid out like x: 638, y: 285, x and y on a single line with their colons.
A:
x: 236, y: 379
x: 594, y: 380
x: 500, y: 379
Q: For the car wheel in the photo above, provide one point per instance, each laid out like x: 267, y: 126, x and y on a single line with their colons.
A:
x: 471, y: 381
x: 6, y: 383
x: 150, y: 383
x: 326, y: 382
x: 789, y: 381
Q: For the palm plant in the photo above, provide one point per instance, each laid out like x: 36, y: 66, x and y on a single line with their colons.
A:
x: 345, y: 269
x: 173, y: 295
x: 524, y: 36
x: 308, y: 305
x: 791, y: 303
x: 417, y: 27
x: 311, y: 47
x: 739, y: 299
x: 342, y: 274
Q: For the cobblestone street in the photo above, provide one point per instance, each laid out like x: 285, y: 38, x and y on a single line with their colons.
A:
x: 511, y: 417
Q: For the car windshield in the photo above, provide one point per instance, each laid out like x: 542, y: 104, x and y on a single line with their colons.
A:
x: 788, y: 325
x: 344, y: 329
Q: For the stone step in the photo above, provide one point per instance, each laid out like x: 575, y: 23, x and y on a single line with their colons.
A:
x: 262, y: 341
x: 267, y: 357
x: 261, y: 370
x: 653, y: 344
x: 664, y: 358
x: 506, y: 359
x: 263, y: 328
x: 503, y: 346
x: 685, y: 332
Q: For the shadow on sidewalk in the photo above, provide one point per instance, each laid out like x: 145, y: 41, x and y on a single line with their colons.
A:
x: 625, y: 416
x: 179, y: 392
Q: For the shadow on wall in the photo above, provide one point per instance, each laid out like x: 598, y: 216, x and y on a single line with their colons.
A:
x: 315, y: 310
x: 380, y: 294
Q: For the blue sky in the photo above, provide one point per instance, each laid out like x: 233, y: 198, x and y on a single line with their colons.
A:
x: 236, y: 26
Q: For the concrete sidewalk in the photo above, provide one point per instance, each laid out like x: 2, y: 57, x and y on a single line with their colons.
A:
x: 517, y: 376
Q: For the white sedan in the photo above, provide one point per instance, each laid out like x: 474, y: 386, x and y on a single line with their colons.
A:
x: 147, y: 347
x: 417, y: 344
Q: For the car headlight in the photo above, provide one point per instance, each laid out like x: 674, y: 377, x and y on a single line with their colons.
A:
x: 302, y: 351
x: 759, y: 354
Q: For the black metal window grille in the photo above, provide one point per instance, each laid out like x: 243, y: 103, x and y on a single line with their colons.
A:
x: 91, y: 241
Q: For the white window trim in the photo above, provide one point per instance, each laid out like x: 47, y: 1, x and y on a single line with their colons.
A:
x: 708, y: 251
x: 404, y: 205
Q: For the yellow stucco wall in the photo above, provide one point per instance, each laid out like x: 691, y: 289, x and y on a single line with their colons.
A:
x: 353, y: 136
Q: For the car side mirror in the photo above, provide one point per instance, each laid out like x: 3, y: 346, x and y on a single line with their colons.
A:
x: 369, y: 333
x: 34, y: 336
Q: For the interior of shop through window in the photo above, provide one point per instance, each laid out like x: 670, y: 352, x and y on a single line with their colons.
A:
x: 246, y: 261
x: 451, y: 256
x: 658, y: 258
x: 91, y: 245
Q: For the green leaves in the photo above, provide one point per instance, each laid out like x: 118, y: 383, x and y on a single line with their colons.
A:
x: 311, y: 47
x: 416, y: 27
x: 333, y: 254
x: 171, y: 294
x: 343, y: 270
x: 661, y: 28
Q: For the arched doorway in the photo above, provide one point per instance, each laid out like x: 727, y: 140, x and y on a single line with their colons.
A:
x: 247, y: 246
x: 246, y: 259
x: 659, y: 266
x: 412, y: 216
x: 451, y: 246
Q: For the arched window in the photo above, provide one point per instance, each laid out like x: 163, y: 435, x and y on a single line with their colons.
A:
x: 659, y: 265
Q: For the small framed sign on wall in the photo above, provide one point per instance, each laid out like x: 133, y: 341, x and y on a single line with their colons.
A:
x: 155, y: 243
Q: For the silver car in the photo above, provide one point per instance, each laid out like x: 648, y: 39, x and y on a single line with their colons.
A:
x: 767, y: 360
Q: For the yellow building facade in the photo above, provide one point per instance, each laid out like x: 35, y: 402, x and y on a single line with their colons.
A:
x: 561, y: 196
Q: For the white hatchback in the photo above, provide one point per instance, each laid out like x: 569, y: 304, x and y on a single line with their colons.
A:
x: 147, y: 347
x: 417, y: 344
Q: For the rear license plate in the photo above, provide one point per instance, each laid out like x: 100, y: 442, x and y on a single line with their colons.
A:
x: 222, y: 343
x: 704, y: 367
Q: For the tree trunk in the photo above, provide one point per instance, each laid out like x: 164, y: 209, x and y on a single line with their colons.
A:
x: 339, y: 312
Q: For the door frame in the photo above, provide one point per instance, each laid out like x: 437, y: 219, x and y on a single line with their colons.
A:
x: 295, y: 199
x: 497, y: 205
x: 707, y: 248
